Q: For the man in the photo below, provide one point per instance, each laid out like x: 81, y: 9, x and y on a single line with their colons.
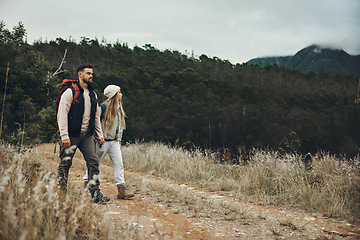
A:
x: 77, y: 124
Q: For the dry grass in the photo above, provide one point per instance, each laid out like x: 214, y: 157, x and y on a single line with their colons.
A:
x: 33, y: 208
x: 332, y: 187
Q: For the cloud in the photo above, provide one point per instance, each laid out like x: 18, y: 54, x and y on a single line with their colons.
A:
x: 230, y: 29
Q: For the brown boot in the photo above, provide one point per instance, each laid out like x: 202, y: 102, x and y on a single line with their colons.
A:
x: 122, y: 194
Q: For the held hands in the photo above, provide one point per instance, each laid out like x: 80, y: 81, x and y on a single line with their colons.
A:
x: 101, y: 141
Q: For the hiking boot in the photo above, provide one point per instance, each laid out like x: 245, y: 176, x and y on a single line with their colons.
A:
x: 98, y: 197
x: 122, y: 194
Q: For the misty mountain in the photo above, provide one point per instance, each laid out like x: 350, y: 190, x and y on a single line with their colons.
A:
x: 318, y: 59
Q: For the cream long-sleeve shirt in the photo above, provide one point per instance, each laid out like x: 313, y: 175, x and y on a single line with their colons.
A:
x: 63, y: 113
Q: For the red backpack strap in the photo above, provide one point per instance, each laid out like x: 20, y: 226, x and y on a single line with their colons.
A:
x: 76, y: 93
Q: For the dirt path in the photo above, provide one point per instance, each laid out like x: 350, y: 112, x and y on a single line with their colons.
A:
x: 164, y: 209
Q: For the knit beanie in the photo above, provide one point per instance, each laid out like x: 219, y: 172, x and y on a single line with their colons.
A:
x: 111, y: 90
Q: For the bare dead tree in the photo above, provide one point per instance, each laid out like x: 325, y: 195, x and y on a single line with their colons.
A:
x: 58, y: 70
x: 3, y: 107
x: 357, y: 100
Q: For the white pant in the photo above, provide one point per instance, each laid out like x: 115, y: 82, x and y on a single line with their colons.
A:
x: 113, y: 149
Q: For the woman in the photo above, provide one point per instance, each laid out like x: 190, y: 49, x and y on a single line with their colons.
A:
x: 113, y: 125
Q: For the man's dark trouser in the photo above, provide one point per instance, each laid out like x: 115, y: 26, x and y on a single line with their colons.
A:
x: 86, y: 145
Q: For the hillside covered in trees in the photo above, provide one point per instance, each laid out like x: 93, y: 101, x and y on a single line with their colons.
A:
x: 318, y: 59
x: 180, y: 99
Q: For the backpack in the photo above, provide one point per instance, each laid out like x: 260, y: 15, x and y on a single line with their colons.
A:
x: 66, y: 83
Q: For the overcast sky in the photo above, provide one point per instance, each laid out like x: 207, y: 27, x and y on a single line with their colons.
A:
x: 234, y: 30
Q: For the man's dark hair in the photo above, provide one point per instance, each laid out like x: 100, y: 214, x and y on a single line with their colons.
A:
x: 83, y: 66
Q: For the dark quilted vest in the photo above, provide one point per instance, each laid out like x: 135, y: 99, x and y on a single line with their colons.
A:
x: 77, y: 111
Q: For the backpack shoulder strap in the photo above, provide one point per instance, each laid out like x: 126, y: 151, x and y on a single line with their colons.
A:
x: 103, y: 109
x: 76, y: 92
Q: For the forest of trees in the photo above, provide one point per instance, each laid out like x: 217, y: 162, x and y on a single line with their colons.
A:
x: 181, y: 99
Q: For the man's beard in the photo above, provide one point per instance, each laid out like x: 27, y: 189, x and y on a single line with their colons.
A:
x: 87, y: 81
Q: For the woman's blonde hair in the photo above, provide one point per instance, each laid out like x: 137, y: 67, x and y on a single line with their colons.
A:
x: 112, y: 107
